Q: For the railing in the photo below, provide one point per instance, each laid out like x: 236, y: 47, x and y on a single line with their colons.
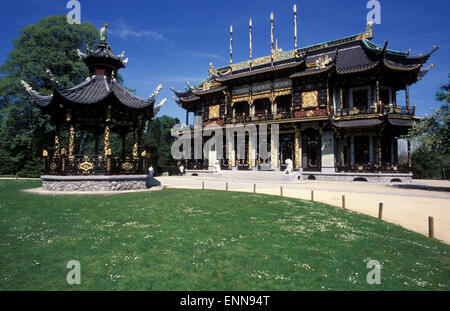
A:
x: 373, y: 168
x: 390, y: 109
x: 80, y: 165
x: 402, y: 110
x: 354, y: 111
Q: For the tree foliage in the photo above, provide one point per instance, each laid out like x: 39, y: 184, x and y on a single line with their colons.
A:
x: 25, y: 132
x: 158, y: 141
x: 432, y: 137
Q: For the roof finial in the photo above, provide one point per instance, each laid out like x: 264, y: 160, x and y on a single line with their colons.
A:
x: 295, y: 26
x: 271, y: 38
x: 104, y: 32
x: 250, y: 41
x: 231, y: 45
x: 369, y: 30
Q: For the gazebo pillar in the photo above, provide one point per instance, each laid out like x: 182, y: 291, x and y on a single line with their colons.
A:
x: 71, y: 140
x: 407, y: 97
x: 57, y: 142
x: 107, y: 131
x: 137, y: 135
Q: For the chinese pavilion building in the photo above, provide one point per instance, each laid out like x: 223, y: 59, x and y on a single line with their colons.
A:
x: 101, y: 106
x: 335, y: 103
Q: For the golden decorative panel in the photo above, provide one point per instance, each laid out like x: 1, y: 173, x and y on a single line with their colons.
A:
x: 127, y: 166
x: 86, y: 166
x: 282, y: 92
x: 214, y: 112
x: 310, y: 99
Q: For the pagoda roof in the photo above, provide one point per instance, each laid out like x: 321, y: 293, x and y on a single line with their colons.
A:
x: 94, y: 90
x: 103, y: 56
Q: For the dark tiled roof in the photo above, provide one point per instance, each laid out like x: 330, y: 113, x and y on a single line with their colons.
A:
x: 103, y: 55
x: 93, y: 91
x: 356, y: 123
x: 260, y: 70
x: 401, y: 122
x: 209, y: 91
x: 354, y: 59
x: 89, y: 92
x: 130, y: 100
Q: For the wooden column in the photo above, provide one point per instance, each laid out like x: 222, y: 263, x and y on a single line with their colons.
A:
x: 379, y: 151
x: 352, y: 149
x: 377, y: 94
x: 297, y: 146
x: 409, y: 154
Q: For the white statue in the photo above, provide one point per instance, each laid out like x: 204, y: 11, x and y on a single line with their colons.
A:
x: 290, y: 167
x: 217, y: 168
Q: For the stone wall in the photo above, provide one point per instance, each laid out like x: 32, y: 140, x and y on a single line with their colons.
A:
x: 95, y: 183
x: 382, y: 178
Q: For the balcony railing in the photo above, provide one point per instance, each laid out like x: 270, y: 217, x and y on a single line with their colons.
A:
x: 373, y: 168
x: 390, y: 109
x: 80, y: 165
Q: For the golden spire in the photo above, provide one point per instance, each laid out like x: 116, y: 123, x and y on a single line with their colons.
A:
x: 231, y: 45
x: 295, y: 26
x: 251, y: 42
x: 271, y: 37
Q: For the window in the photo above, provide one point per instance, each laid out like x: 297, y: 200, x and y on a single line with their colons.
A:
x: 361, y: 145
x: 240, y: 108
x: 360, y: 98
x: 261, y: 105
x: 385, y: 96
x: 284, y: 103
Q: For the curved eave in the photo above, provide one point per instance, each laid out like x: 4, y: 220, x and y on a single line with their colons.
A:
x: 189, y: 99
x: 130, y: 100
x: 182, y: 93
x: 209, y: 91
x: 312, y: 72
x: 399, y: 67
x: 255, y: 72
x: 370, y: 46
x: 356, y: 123
x: 41, y: 101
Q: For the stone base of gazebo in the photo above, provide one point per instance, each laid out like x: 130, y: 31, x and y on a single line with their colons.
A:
x: 97, y: 183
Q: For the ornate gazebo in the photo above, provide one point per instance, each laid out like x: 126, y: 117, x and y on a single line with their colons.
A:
x: 100, y: 106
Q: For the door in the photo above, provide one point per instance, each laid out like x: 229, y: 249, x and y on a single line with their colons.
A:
x: 311, y: 150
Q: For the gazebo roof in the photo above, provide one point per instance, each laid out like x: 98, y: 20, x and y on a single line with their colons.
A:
x: 93, y: 91
x: 102, y: 85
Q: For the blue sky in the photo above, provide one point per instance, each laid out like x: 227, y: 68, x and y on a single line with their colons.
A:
x: 172, y: 42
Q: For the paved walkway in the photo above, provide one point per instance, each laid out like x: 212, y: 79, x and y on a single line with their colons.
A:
x: 406, y: 205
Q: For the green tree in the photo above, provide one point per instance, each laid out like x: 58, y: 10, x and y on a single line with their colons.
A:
x: 158, y: 141
x: 52, y: 44
x: 432, y: 138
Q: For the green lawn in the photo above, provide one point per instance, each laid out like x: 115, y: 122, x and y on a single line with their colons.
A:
x: 205, y: 240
